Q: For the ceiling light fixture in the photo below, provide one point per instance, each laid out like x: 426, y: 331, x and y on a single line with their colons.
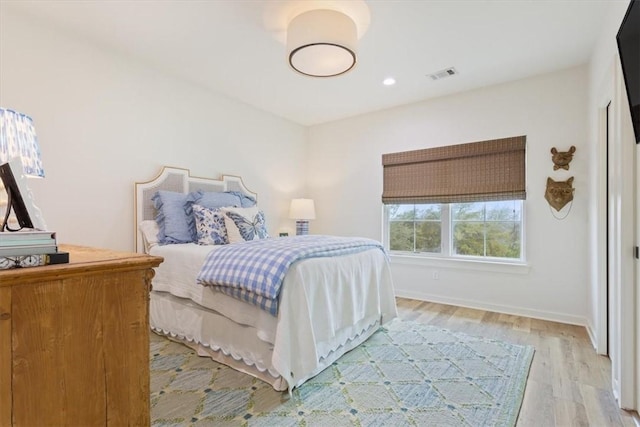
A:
x: 321, y: 36
x: 322, y: 43
x: 389, y: 81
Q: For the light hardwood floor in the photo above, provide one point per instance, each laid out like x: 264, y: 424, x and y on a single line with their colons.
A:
x: 569, y: 384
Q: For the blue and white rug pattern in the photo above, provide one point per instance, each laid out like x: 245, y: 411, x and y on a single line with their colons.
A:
x: 406, y: 374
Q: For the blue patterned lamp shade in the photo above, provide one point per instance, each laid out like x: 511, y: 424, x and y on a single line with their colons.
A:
x: 302, y: 210
x: 18, y: 139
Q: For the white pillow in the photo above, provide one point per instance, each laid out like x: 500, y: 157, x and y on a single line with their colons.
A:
x: 149, y: 230
x: 244, y: 224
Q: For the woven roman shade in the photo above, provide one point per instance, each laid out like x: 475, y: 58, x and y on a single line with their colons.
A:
x: 478, y: 171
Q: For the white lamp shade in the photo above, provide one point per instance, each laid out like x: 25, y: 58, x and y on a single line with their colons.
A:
x: 18, y: 140
x: 322, y: 43
x: 302, y: 209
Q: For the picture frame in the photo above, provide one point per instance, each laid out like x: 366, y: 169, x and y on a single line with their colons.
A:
x: 20, y: 198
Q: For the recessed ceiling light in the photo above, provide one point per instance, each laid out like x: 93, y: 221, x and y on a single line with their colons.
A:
x: 389, y: 81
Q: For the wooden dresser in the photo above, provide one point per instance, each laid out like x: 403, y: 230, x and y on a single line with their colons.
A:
x: 74, y: 341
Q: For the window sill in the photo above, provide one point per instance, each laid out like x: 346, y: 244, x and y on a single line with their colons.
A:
x: 461, y: 264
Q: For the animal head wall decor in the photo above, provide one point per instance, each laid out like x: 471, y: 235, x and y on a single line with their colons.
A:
x: 561, y: 159
x: 559, y: 193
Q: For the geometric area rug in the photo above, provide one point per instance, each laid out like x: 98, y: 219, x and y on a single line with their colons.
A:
x: 406, y: 374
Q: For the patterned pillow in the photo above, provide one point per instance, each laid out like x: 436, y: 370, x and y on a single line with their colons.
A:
x: 245, y: 224
x: 210, y: 226
x: 211, y: 200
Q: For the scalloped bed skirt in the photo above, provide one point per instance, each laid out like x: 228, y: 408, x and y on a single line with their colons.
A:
x: 243, y: 347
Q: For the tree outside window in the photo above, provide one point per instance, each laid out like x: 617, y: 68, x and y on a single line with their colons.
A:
x: 479, y: 229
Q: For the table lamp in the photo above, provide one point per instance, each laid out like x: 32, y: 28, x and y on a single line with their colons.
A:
x: 302, y: 210
x: 19, y: 158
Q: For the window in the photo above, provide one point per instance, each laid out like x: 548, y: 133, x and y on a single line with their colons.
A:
x: 457, y: 201
x: 477, y: 229
x: 415, y: 228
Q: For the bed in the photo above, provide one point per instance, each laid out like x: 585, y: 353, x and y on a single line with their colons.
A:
x: 326, y: 305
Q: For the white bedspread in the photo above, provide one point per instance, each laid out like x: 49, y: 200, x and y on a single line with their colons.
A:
x: 325, y: 303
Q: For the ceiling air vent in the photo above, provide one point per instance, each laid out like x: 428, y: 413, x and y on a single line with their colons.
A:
x: 447, y: 72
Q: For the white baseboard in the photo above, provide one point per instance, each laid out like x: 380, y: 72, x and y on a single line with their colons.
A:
x: 516, y: 311
x: 592, y: 337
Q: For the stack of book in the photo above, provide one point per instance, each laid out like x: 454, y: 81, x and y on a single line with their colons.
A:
x: 29, y: 248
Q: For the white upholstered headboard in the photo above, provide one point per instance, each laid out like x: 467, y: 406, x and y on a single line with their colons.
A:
x: 180, y: 180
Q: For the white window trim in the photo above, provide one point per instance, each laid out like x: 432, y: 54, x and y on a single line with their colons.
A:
x: 444, y: 260
x: 513, y: 267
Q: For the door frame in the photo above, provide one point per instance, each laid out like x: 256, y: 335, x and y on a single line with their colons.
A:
x: 621, y: 223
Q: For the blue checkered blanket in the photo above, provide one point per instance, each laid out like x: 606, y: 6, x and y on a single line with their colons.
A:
x: 254, y: 271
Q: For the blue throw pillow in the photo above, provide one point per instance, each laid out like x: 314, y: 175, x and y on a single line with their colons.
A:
x: 245, y: 201
x: 215, y: 200
x: 172, y: 220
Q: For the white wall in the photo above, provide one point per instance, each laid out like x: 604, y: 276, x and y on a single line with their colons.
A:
x: 105, y: 121
x: 345, y: 179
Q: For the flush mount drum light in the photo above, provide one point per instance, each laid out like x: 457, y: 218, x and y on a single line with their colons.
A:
x: 322, y: 43
x: 321, y: 36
